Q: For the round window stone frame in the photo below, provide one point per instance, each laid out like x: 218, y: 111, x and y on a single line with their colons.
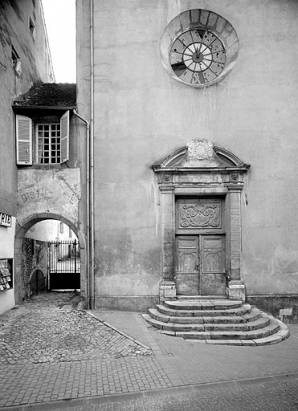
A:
x: 204, y: 20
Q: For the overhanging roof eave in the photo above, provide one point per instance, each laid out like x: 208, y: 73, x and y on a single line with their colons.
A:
x: 56, y: 108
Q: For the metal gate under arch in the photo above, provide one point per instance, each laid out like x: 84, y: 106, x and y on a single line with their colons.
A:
x: 64, y: 265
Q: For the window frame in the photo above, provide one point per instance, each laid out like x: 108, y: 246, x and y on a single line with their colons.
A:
x: 50, y: 125
x: 26, y: 133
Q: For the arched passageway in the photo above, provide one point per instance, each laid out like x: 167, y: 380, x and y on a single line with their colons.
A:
x: 56, y: 257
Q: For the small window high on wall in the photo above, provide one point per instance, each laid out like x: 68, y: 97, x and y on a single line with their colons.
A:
x: 46, y: 143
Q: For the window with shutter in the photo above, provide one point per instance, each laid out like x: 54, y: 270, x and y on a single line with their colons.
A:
x: 24, y: 140
x: 64, y: 137
x: 51, y: 141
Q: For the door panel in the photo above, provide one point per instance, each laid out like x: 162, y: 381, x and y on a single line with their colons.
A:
x: 212, y: 277
x: 187, y: 275
x: 213, y: 284
x: 187, y: 253
x: 200, y: 265
x: 213, y: 254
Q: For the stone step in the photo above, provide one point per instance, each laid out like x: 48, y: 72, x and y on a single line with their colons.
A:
x: 274, y: 338
x: 157, y: 315
x: 217, y: 322
x: 201, y: 297
x: 222, y: 319
x: 242, y: 310
x: 199, y: 304
x: 202, y: 327
x: 228, y: 335
x: 253, y: 337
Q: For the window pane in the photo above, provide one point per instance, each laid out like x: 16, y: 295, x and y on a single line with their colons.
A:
x: 48, y: 143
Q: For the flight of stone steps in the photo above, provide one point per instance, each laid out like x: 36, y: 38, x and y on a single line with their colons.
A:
x: 217, y: 321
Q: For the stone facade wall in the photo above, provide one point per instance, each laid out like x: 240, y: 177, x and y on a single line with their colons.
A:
x: 283, y: 306
x: 142, y: 115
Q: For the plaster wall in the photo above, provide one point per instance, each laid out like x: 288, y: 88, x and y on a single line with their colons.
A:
x: 35, y: 64
x: 48, y: 191
x: 142, y: 115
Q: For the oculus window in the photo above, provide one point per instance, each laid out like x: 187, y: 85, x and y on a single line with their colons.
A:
x: 199, y: 48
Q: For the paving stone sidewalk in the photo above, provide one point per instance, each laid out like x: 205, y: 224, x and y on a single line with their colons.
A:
x: 194, y: 362
x: 48, y: 329
x: 50, y: 351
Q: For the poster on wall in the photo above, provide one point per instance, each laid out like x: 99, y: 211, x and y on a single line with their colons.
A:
x: 5, y: 219
x: 5, y: 275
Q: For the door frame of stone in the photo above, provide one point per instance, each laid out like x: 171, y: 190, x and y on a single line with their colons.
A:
x: 195, y: 228
x: 201, y: 169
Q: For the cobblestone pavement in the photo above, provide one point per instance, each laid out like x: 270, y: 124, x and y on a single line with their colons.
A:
x: 42, y: 331
x: 50, y: 352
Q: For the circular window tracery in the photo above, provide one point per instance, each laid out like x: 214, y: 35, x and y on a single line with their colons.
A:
x: 197, y: 56
x: 199, y: 47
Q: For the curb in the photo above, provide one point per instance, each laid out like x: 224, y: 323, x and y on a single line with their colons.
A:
x: 118, y: 331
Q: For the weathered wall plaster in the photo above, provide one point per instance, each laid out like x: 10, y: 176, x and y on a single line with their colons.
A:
x: 34, y: 65
x: 49, y: 191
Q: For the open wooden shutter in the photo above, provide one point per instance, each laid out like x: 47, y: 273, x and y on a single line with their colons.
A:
x: 64, y: 137
x: 24, y: 140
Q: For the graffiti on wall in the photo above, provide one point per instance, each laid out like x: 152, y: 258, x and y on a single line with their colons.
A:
x: 50, y: 191
x: 33, y: 194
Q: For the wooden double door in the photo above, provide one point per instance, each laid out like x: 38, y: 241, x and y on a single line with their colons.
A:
x: 200, y: 265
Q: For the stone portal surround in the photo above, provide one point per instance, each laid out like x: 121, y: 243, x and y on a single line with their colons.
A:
x: 236, y: 289
x: 203, y: 176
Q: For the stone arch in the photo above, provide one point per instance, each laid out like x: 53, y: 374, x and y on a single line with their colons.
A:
x: 39, y: 268
x: 36, y: 269
x: 22, y: 227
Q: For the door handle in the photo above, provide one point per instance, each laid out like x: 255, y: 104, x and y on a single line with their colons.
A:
x: 197, y: 267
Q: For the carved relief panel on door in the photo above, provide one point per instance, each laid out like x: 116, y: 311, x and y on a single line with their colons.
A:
x: 199, y: 214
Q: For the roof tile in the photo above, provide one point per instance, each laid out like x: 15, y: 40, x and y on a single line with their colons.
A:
x: 48, y: 95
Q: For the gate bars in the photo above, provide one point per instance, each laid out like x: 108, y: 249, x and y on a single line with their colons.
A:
x: 63, y: 265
